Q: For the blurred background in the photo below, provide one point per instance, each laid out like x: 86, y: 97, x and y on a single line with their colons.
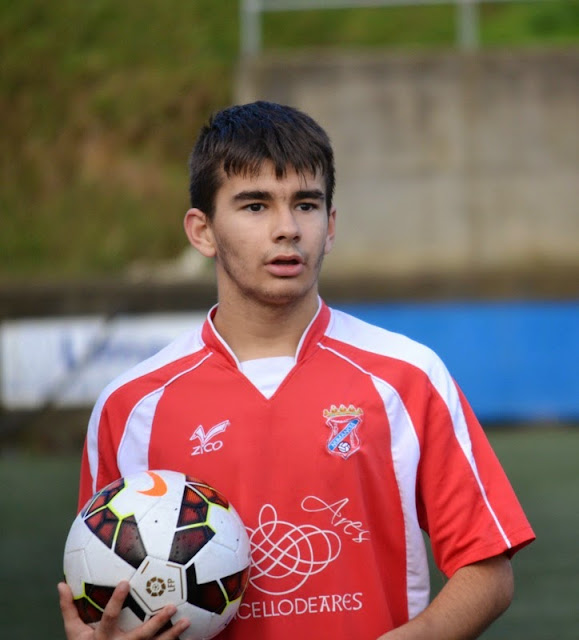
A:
x: 456, y: 131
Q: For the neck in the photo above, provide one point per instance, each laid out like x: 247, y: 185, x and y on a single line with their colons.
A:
x: 254, y: 330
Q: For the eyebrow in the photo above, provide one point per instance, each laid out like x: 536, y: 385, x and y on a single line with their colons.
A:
x: 252, y: 195
x: 303, y: 194
x: 310, y: 194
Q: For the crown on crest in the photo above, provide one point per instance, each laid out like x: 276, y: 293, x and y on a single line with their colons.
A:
x: 342, y: 410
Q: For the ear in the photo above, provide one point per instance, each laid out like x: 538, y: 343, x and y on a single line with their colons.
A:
x: 199, y: 232
x: 331, y: 233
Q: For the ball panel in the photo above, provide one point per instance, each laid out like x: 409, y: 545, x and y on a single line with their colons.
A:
x: 227, y: 526
x: 205, y: 625
x: 103, y: 524
x: 236, y: 584
x: 154, y: 524
x: 78, y: 536
x: 91, y: 603
x: 194, y: 508
x: 211, y: 494
x: 104, y: 496
x: 201, y: 622
x: 105, y: 566
x: 132, y: 614
x: 129, y: 545
x: 98, y: 594
x: 157, y: 583
x: 215, y: 561
x: 76, y: 570
x: 188, y: 542
x: 208, y: 596
x: 88, y: 613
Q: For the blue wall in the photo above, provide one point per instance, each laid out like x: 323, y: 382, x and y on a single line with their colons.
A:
x: 514, y: 360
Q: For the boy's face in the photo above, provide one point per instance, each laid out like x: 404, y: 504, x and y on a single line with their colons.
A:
x: 268, y: 235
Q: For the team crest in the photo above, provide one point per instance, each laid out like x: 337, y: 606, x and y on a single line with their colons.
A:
x: 343, y: 422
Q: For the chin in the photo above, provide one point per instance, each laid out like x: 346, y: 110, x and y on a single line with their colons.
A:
x: 285, y: 294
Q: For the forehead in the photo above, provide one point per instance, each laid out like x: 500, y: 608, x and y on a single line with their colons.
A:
x: 265, y: 179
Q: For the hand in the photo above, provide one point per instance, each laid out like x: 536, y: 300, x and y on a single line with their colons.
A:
x: 107, y: 628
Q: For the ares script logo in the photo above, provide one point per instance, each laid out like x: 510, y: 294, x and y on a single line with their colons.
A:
x: 343, y: 422
x: 286, y: 554
x: 206, y: 440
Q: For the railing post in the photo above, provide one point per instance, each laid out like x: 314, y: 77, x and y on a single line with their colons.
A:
x: 467, y: 24
x: 467, y: 27
x: 250, y: 27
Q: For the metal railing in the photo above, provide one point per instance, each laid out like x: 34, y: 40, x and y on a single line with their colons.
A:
x: 251, y: 11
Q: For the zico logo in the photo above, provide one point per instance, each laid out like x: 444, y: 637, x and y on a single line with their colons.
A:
x: 206, y: 441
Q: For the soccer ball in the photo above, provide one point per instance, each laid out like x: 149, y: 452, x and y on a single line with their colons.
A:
x: 174, y: 538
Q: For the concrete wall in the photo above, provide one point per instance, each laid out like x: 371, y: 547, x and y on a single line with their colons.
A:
x: 446, y: 162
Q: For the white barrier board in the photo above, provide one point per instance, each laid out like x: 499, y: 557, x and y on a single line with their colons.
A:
x: 68, y: 361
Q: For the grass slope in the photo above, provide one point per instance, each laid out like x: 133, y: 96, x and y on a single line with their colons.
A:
x: 100, y: 102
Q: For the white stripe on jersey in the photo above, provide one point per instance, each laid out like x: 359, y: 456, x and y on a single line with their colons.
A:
x: 186, y: 344
x: 360, y: 334
x: 405, y: 447
x: 405, y: 450
x: 132, y: 455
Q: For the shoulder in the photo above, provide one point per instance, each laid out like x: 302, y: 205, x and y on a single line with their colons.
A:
x: 370, y: 342
x: 119, y: 399
x: 179, y: 356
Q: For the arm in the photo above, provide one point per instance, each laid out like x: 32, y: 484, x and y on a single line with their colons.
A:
x: 107, y: 628
x: 469, y: 602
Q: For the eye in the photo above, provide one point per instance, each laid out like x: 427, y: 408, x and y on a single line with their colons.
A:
x: 307, y: 206
x: 255, y: 207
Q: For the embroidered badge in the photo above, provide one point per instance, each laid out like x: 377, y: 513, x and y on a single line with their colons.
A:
x: 343, y: 422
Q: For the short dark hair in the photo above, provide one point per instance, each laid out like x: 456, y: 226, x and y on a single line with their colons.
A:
x: 238, y: 140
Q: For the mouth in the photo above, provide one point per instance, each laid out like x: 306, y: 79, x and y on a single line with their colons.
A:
x: 286, y: 266
x: 287, y: 260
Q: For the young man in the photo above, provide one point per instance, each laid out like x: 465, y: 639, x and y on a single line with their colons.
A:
x: 342, y: 441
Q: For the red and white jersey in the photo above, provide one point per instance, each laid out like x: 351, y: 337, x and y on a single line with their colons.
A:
x: 335, y: 470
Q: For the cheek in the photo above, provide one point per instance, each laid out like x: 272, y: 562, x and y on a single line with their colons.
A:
x: 323, y: 240
x: 232, y: 248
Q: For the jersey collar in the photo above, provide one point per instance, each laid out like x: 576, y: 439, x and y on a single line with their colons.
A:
x: 310, y: 338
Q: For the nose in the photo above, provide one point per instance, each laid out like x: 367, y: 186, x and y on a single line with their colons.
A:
x: 286, y: 226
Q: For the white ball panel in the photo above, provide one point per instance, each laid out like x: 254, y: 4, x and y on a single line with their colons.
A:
x: 76, y: 570
x: 227, y: 526
x: 201, y: 622
x: 213, y: 623
x: 157, y: 583
x: 215, y: 561
x: 78, y: 536
x: 157, y: 527
x: 105, y: 566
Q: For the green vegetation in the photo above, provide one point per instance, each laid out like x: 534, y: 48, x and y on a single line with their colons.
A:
x: 38, y: 504
x: 100, y: 102
x: 501, y: 24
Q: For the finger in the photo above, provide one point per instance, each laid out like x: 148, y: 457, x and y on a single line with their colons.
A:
x: 155, y: 626
x: 175, y: 631
x: 109, y: 621
x: 66, y: 601
x: 71, y: 619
